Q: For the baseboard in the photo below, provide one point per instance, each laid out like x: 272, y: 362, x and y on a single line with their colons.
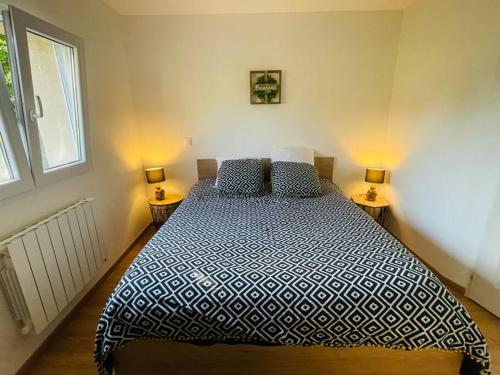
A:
x: 34, y: 356
x: 457, y: 287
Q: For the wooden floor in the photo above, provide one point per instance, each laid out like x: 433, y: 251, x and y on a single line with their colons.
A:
x: 70, y: 349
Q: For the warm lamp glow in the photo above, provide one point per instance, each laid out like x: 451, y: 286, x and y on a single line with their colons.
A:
x: 375, y: 176
x: 155, y: 175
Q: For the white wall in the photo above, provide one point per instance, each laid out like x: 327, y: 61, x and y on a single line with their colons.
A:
x: 485, y: 285
x: 444, y: 140
x: 190, y: 76
x: 116, y: 180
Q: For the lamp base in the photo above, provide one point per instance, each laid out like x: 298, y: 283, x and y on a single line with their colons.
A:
x: 371, y: 195
x: 159, y: 193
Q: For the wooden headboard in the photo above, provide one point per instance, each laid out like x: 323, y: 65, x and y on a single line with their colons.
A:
x: 207, y: 168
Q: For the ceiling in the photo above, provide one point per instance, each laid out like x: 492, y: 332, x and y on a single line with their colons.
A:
x: 161, y: 7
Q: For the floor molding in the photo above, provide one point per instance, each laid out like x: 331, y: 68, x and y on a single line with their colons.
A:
x: 457, y: 287
x: 33, y: 357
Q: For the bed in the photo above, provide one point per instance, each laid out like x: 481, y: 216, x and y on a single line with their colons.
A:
x: 282, y: 286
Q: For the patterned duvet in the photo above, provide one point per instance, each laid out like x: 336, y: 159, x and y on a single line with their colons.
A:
x: 267, y: 270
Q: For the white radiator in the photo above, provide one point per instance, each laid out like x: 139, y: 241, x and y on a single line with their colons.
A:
x: 44, y: 266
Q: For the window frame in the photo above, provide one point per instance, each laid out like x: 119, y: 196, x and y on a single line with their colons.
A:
x: 20, y: 24
x: 16, y: 157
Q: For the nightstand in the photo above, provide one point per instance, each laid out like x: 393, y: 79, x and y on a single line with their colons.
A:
x: 161, y: 210
x: 377, y: 209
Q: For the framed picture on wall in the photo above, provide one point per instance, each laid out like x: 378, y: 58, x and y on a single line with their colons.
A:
x: 265, y: 87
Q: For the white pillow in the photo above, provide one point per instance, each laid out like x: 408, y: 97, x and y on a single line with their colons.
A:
x: 220, y: 159
x: 295, y: 154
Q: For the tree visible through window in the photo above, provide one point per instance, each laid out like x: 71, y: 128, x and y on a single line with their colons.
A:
x: 4, y: 60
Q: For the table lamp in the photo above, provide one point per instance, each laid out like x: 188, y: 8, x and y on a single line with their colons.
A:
x: 374, y: 176
x: 155, y: 176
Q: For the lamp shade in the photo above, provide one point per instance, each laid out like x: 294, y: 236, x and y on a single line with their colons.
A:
x: 155, y: 175
x: 375, y: 175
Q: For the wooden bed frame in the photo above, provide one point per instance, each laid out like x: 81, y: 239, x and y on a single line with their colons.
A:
x: 207, y: 168
x: 155, y: 357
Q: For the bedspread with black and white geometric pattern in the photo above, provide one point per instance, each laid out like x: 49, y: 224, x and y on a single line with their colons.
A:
x: 291, y: 271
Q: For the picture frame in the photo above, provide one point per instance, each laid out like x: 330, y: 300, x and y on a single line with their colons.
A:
x: 265, y: 87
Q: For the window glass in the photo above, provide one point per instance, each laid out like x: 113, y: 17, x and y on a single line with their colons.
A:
x: 55, y: 90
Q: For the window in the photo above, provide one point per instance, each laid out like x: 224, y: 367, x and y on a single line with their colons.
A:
x: 43, y: 101
x: 51, y: 76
